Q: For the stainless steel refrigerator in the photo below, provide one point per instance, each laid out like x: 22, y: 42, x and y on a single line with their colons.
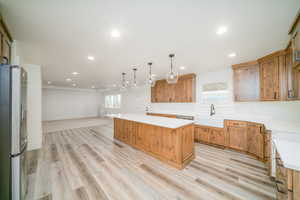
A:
x: 13, y: 132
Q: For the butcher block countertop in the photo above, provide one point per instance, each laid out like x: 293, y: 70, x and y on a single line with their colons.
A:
x: 154, y: 120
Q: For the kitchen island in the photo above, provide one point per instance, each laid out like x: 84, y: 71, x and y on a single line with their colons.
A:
x: 169, y: 140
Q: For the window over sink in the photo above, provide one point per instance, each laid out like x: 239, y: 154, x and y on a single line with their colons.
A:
x: 113, y: 101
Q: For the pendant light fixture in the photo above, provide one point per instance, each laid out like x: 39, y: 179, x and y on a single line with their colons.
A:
x: 172, y: 77
x: 124, y: 83
x: 134, y: 84
x: 151, y: 80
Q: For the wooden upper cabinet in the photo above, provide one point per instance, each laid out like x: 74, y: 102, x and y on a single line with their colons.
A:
x: 274, y: 76
x: 269, y: 79
x: 246, y: 81
x: 293, y: 76
x: 294, y: 33
x: 5, y: 42
x: 183, y: 91
x: 6, y: 49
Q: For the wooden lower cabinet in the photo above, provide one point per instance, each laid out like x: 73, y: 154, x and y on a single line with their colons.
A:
x: 210, y: 135
x: 202, y: 134
x: 268, y: 150
x: 237, y: 137
x: 255, y: 140
x: 172, y: 146
x: 248, y: 137
x: 287, y: 182
x: 217, y: 136
x: 243, y: 136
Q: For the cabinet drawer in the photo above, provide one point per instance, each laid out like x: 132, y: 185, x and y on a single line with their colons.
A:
x: 254, y: 125
x: 236, y: 123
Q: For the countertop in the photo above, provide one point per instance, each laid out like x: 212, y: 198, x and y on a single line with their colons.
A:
x: 218, y: 119
x: 288, y: 146
x: 155, y: 120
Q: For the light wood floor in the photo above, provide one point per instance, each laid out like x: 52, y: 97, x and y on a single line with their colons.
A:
x: 86, y: 163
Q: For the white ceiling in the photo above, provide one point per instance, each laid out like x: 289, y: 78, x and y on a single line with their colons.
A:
x: 59, y: 35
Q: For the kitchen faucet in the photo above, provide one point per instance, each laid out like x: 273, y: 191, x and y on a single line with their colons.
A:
x: 212, y: 110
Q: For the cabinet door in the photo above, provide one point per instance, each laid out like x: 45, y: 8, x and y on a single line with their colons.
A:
x: 179, y: 91
x: 296, y: 47
x: 119, y: 129
x: 161, y: 92
x: 246, y: 83
x: 269, y: 79
x: 169, y: 143
x: 255, y: 140
x: 153, y: 95
x: 190, y: 89
x: 1, y: 45
x: 142, y: 139
x: 237, y: 137
x: 133, y: 133
x: 170, y: 91
x: 155, y: 139
x: 158, y: 91
x: 125, y: 131
x: 187, y: 141
x: 6, y: 49
x: 203, y: 134
x: 217, y: 136
x: 293, y: 78
x: 116, y: 128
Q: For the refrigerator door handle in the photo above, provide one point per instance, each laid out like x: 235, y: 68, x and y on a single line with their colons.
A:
x: 21, y: 152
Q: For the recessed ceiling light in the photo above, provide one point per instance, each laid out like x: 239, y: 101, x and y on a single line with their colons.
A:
x: 75, y: 73
x: 74, y: 84
x: 91, y: 58
x: 49, y: 82
x: 221, y: 30
x: 232, y: 55
x: 182, y: 67
x: 115, y: 33
x: 68, y: 79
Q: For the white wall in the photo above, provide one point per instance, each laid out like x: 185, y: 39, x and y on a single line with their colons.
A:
x: 34, y: 107
x: 34, y: 120
x: 65, y: 103
x: 134, y: 100
x: 275, y: 115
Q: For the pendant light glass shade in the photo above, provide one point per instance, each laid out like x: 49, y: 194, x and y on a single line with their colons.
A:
x: 151, y: 79
x: 172, y: 77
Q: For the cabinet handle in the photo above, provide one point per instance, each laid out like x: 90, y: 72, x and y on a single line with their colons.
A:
x: 4, y: 60
x: 279, y: 182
